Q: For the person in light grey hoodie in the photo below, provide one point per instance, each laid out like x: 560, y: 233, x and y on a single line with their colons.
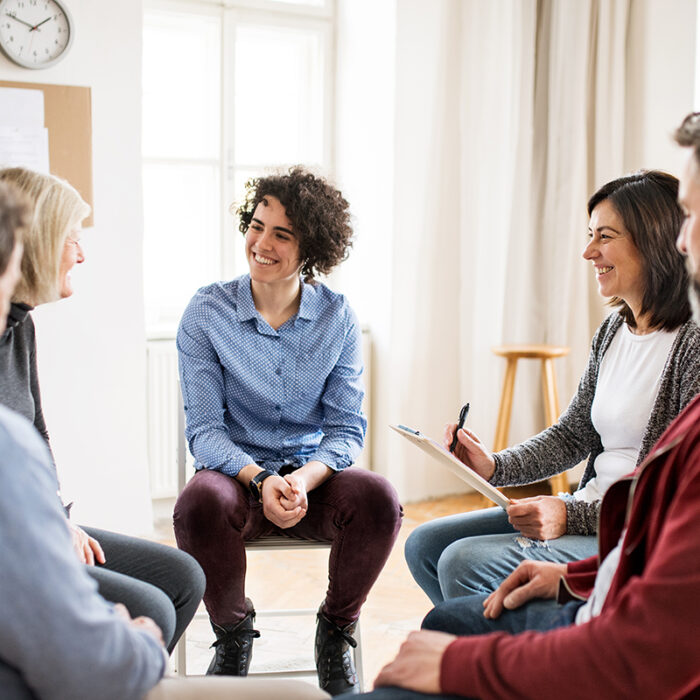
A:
x: 59, y: 639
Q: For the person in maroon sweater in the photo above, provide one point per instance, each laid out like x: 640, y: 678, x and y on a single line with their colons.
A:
x: 636, y: 633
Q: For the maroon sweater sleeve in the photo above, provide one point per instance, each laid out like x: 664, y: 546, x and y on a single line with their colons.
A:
x: 643, y: 645
x: 579, y: 580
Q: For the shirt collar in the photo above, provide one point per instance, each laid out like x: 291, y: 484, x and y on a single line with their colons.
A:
x: 18, y: 312
x: 309, y: 306
x: 245, y: 304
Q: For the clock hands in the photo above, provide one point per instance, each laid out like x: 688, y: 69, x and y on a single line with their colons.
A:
x: 32, y: 27
x: 17, y: 19
x: 36, y: 26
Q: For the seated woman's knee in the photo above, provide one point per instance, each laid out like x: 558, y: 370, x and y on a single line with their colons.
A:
x: 418, y: 548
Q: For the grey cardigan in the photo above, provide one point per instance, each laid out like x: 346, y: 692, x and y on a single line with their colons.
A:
x: 573, y: 437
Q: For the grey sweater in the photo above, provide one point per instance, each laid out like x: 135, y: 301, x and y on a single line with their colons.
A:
x: 19, y: 383
x: 58, y: 638
x: 573, y: 437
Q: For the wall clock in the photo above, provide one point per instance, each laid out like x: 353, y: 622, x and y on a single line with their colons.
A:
x: 35, y: 33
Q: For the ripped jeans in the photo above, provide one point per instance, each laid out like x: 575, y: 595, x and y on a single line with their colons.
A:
x: 471, y: 553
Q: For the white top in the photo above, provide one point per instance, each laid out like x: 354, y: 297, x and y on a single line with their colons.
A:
x: 628, y: 382
x: 606, y: 572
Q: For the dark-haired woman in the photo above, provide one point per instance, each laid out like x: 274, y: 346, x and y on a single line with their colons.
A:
x: 643, y: 369
x: 270, y: 367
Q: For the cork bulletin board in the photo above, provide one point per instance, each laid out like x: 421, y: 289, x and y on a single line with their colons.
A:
x: 68, y: 117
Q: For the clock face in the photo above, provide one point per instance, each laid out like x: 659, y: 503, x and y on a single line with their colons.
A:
x: 34, y: 33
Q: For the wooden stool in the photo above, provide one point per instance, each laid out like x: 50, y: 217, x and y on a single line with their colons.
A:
x: 545, y: 353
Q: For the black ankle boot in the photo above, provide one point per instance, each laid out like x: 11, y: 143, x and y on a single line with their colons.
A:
x: 234, y: 646
x: 336, y: 670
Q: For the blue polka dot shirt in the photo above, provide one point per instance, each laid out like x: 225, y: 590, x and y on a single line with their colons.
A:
x: 254, y: 394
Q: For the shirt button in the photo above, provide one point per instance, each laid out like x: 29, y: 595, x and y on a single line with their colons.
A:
x: 278, y: 407
x: 278, y: 371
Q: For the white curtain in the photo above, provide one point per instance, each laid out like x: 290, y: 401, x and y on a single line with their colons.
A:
x: 501, y: 136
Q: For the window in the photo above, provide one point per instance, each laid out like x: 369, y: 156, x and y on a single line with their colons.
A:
x: 229, y: 92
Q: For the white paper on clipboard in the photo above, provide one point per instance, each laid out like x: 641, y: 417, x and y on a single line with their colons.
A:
x: 448, y: 460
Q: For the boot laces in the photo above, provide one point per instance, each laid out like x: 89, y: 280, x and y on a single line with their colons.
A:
x: 335, y: 660
x: 231, y: 660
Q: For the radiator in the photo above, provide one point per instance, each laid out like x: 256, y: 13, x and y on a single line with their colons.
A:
x: 163, y: 403
x: 162, y: 419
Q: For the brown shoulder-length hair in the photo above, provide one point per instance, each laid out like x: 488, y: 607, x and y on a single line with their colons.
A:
x: 647, y: 203
x: 318, y: 212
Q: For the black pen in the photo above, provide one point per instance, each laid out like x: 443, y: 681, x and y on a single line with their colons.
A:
x: 460, y: 424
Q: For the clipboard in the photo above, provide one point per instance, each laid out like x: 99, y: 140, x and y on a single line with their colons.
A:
x: 447, y: 459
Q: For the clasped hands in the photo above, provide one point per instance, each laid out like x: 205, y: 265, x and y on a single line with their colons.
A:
x: 539, y: 517
x: 418, y: 663
x: 284, y: 499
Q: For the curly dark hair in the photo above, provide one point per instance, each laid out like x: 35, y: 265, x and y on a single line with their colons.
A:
x: 317, y: 211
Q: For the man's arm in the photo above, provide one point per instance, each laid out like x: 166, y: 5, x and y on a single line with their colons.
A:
x: 419, y: 661
x: 643, y: 644
x: 63, y: 638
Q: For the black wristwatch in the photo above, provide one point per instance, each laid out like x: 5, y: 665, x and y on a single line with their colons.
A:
x: 255, y: 484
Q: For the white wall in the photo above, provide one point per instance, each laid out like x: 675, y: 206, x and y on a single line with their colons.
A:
x: 364, y: 162
x: 384, y: 124
x: 91, y: 347
x: 661, y: 68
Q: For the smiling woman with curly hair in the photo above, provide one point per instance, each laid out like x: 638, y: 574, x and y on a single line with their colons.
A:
x: 270, y: 367
x: 317, y: 211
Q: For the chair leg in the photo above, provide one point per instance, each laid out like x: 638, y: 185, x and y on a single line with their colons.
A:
x: 180, y: 656
x: 357, y: 652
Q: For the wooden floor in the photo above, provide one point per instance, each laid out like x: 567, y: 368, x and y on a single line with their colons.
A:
x: 394, y: 607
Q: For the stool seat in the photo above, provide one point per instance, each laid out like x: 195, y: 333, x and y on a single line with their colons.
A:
x: 531, y: 352
x: 546, y: 354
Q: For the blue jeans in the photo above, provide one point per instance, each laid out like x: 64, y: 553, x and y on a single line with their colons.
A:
x: 150, y: 579
x: 465, y: 616
x: 471, y: 553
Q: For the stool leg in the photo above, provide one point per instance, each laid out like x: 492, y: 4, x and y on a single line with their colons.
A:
x: 560, y: 482
x: 549, y: 389
x: 500, y: 440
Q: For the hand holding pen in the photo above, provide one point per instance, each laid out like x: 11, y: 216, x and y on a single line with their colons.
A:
x: 460, y: 424
x: 467, y: 446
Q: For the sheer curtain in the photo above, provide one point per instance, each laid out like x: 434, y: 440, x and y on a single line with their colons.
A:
x: 501, y: 136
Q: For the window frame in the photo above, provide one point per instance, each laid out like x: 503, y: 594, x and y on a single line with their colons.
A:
x: 232, y: 13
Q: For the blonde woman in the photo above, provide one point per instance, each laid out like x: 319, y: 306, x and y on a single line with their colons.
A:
x: 150, y: 579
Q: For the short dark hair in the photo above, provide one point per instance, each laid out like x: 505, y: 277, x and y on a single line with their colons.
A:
x: 688, y: 134
x: 647, y: 202
x: 317, y: 211
x: 13, y: 218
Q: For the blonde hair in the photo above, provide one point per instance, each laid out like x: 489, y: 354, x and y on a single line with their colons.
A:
x: 56, y: 209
